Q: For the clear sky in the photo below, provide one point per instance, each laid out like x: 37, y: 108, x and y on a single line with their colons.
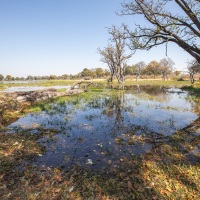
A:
x: 43, y: 37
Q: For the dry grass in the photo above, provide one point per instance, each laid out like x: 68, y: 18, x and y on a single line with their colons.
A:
x: 167, y: 172
x: 163, y: 173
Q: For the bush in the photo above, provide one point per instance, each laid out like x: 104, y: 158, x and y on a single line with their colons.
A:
x: 174, y: 78
x: 180, y: 79
x: 87, y: 78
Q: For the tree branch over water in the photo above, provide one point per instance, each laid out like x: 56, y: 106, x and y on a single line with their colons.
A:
x: 181, y: 27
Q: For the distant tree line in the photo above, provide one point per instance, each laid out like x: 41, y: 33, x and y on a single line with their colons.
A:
x: 85, y: 73
x: 163, y: 68
x: 155, y: 68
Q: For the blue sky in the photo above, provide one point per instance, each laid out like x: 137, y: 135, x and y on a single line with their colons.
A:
x: 43, y: 37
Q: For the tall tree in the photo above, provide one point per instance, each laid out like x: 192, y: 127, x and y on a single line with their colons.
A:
x: 52, y: 77
x: 130, y: 70
x: 166, y: 67
x: 108, y: 57
x: 99, y: 72
x: 153, y: 68
x: 9, y: 78
x: 193, y: 68
x: 1, y: 77
x: 86, y: 72
x: 114, y: 54
x: 65, y: 76
x: 139, y: 69
x: 106, y: 72
x: 180, y: 26
x: 30, y: 78
x: 177, y: 72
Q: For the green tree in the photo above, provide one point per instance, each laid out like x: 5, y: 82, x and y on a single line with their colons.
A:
x: 52, y: 77
x: 193, y: 68
x: 153, y: 68
x: 99, y: 72
x: 139, y: 68
x: 17, y: 78
x: 130, y: 70
x: 166, y: 67
x: 30, y: 78
x: 106, y: 72
x: 65, y: 76
x: 1, y: 77
x: 86, y: 72
x: 9, y: 78
x: 177, y: 73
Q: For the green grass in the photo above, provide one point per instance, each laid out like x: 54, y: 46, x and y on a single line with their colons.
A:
x: 163, y: 173
x: 159, y: 82
x: 40, y: 83
x: 2, y: 86
x: 101, y: 83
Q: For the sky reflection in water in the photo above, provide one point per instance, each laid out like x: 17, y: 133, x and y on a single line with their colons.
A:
x: 106, y: 128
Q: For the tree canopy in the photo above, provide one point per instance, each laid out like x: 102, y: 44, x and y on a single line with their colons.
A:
x: 193, y: 68
x: 180, y: 24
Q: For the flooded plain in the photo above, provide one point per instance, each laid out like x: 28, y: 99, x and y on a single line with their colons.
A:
x: 31, y: 88
x: 101, y: 130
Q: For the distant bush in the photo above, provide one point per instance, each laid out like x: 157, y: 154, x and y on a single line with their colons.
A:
x: 180, y: 79
x: 197, y: 83
x: 130, y: 77
x: 174, y: 78
x: 87, y: 78
x: 144, y: 77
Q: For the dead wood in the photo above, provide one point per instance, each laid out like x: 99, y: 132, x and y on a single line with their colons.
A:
x: 85, y: 86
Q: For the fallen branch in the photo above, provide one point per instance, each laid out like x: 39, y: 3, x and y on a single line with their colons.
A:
x: 82, y: 82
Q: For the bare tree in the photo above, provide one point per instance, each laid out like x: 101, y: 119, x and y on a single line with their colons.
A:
x: 166, y: 67
x: 114, y: 55
x: 181, y: 27
x: 193, y: 68
x: 139, y: 69
x: 108, y: 57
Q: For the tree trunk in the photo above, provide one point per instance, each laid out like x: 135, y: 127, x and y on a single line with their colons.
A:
x: 120, y: 75
x: 111, y: 78
x: 137, y: 77
x: 192, y: 78
x: 164, y: 76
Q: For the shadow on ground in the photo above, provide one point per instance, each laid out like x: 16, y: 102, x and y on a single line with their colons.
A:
x: 169, y: 171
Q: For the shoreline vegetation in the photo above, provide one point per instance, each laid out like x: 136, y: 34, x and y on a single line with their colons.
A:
x: 167, y: 172
x: 103, y: 82
x: 18, y: 102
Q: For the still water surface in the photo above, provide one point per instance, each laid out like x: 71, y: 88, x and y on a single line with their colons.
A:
x: 101, y: 130
x: 31, y: 88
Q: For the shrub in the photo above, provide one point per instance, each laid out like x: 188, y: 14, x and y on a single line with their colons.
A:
x: 180, y: 79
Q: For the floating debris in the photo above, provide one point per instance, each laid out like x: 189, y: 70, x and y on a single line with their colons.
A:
x: 89, y: 162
